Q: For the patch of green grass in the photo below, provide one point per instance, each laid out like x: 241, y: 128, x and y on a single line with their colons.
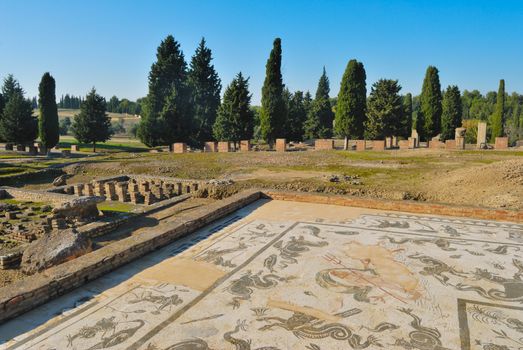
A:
x: 116, y: 207
x: 113, y: 145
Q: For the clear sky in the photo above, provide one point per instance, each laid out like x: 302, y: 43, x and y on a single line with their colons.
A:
x: 111, y: 44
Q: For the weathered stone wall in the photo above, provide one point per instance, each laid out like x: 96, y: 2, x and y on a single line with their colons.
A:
x: 55, y: 199
x: 35, y: 290
x: 406, y: 206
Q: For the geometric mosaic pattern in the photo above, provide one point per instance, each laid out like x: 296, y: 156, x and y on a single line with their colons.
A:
x: 382, y: 281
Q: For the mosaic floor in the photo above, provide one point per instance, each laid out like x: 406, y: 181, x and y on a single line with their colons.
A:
x: 283, y: 275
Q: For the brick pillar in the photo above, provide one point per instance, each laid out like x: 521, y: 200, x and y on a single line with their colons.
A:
x: 79, y: 189
x: 482, y: 134
x: 121, y: 191
x: 89, y: 189
x: 179, y: 147
x: 245, y: 146
x: 412, y: 142
x: 224, y: 146
x: 75, y: 148
x: 110, y: 193
x: 281, y: 145
x: 501, y: 143
x: 178, y: 188
x: 388, y: 142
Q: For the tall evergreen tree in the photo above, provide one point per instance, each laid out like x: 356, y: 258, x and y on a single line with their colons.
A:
x: 167, y: 113
x: 352, y: 101
x: 407, y: 116
x: 48, y: 126
x: 452, y: 111
x: 206, y: 87
x: 92, y: 124
x: 385, y: 110
x: 18, y: 124
x: 296, y: 117
x: 320, y: 117
x: 11, y: 86
x: 429, y: 118
x: 498, y: 118
x: 273, y: 111
x: 235, y: 120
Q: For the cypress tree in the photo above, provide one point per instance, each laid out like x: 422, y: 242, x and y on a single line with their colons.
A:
x: 352, y: 101
x: 384, y: 110
x: 452, y: 112
x: 273, y: 111
x: 48, y: 123
x: 429, y: 118
x: 18, y: 124
x: 498, y: 117
x: 296, y: 117
x: 235, y: 119
x: 206, y: 87
x: 167, y: 113
x: 319, y: 119
x: 92, y: 124
x: 407, y: 116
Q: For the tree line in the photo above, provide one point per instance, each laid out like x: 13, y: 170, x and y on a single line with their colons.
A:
x: 183, y: 104
x: 18, y: 124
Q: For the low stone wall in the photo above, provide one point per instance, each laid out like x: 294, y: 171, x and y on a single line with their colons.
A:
x: 406, y: 206
x: 55, y: 199
x: 35, y: 290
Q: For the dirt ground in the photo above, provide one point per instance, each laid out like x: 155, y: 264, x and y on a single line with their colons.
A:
x: 481, y: 178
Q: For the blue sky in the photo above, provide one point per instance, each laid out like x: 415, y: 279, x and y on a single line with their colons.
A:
x: 111, y: 44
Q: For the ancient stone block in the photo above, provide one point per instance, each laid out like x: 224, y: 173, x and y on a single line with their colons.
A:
x: 75, y: 148
x: 436, y: 144
x: 413, y: 142
x: 178, y: 188
x: 144, y: 187
x: 360, y: 145
x: 281, y: 145
x: 179, y: 147
x: 501, y: 143
x: 78, y: 189
x: 99, y: 189
x: 121, y: 191
x: 224, y: 146
x: 450, y: 144
x: 403, y: 144
x: 245, y: 146
x: 110, y: 192
x: 482, y: 135
x: 89, y: 189
x: 135, y: 197
x: 378, y: 145
x: 414, y: 134
x: 147, y: 198
x: 54, y: 249
x: 459, y: 132
x: 210, y: 146
x: 69, y: 190
x: 460, y: 142
x: 388, y: 142
x: 323, y: 144
x: 395, y: 141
